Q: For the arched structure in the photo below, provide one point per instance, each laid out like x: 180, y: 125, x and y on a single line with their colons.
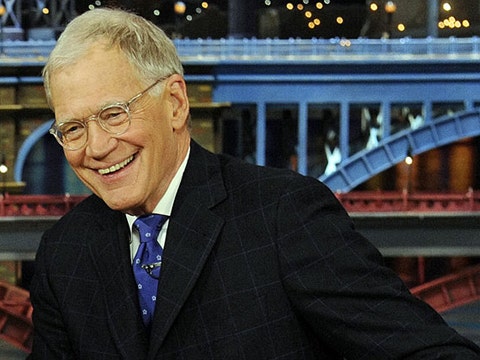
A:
x: 394, y: 149
x: 27, y: 145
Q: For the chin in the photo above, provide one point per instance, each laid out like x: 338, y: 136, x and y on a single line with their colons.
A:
x: 116, y: 202
x: 114, y: 205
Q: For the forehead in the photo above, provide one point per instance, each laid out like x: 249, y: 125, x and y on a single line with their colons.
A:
x: 99, y: 77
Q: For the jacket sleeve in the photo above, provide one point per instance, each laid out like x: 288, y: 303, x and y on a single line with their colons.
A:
x: 50, y: 340
x: 339, y: 286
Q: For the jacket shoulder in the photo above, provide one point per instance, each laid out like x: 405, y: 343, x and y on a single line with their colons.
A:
x: 90, y: 211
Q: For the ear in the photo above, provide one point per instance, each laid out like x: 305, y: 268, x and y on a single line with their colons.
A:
x: 177, y: 90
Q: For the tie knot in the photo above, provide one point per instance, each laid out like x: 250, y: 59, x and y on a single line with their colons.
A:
x: 149, y: 226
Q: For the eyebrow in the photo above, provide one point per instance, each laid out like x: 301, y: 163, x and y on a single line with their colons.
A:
x: 95, y: 113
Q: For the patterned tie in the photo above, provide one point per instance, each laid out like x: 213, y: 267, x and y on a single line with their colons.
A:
x: 147, y: 263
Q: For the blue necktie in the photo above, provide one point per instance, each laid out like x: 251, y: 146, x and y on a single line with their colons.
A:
x: 147, y: 263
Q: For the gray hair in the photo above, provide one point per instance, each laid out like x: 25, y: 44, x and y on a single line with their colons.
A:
x: 147, y: 47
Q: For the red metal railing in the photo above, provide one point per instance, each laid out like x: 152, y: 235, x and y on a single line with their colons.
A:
x: 390, y: 201
x: 356, y: 201
x: 15, y: 316
x: 37, y: 205
x: 452, y: 290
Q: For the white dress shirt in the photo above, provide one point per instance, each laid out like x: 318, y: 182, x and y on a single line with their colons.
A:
x: 163, y: 207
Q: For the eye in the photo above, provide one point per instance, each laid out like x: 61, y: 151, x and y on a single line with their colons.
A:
x: 72, y: 130
x: 114, y: 115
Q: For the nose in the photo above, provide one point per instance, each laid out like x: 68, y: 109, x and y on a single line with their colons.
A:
x: 99, y: 141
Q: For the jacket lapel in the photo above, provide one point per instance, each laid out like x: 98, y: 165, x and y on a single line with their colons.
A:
x: 192, y: 232
x: 111, y: 256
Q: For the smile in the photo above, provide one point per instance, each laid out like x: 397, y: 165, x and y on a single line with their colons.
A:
x: 116, y: 167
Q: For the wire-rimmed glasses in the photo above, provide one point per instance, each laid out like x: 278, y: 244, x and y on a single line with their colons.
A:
x: 114, y: 119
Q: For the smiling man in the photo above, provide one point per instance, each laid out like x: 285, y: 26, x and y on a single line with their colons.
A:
x: 131, y: 170
x: 184, y: 254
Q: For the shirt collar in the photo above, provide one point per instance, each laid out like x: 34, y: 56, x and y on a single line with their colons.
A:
x: 165, y: 205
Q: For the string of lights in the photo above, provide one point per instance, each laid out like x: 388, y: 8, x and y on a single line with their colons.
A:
x: 300, y: 18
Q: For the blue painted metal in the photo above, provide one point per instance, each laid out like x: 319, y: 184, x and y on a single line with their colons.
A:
x: 210, y: 51
x: 302, y: 138
x: 425, y: 82
x: 314, y: 72
x: 365, y: 164
x: 27, y: 145
x: 261, y: 51
x: 261, y: 133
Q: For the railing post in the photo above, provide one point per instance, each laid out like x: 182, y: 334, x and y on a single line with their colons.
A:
x: 471, y: 203
x: 67, y: 202
x: 405, y: 199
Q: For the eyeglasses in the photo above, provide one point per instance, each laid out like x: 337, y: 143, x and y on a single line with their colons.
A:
x: 114, y: 119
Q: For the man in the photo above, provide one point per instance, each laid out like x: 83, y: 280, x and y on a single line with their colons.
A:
x: 257, y: 263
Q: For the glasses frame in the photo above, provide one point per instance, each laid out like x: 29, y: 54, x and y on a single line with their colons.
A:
x: 55, y: 128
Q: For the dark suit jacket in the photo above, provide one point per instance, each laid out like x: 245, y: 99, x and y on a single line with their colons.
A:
x: 258, y: 264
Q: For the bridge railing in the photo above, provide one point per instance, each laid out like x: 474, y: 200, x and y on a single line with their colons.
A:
x: 451, y: 291
x: 394, y: 201
x: 251, y: 49
x: 37, y: 205
x: 355, y: 201
x: 295, y: 49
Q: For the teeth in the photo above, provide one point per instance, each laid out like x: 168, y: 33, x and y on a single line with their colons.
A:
x: 115, y: 167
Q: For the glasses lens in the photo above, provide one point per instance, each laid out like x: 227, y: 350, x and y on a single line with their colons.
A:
x: 115, y: 119
x: 72, y: 134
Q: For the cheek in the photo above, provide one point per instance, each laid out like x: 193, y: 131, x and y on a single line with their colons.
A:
x: 73, y: 158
